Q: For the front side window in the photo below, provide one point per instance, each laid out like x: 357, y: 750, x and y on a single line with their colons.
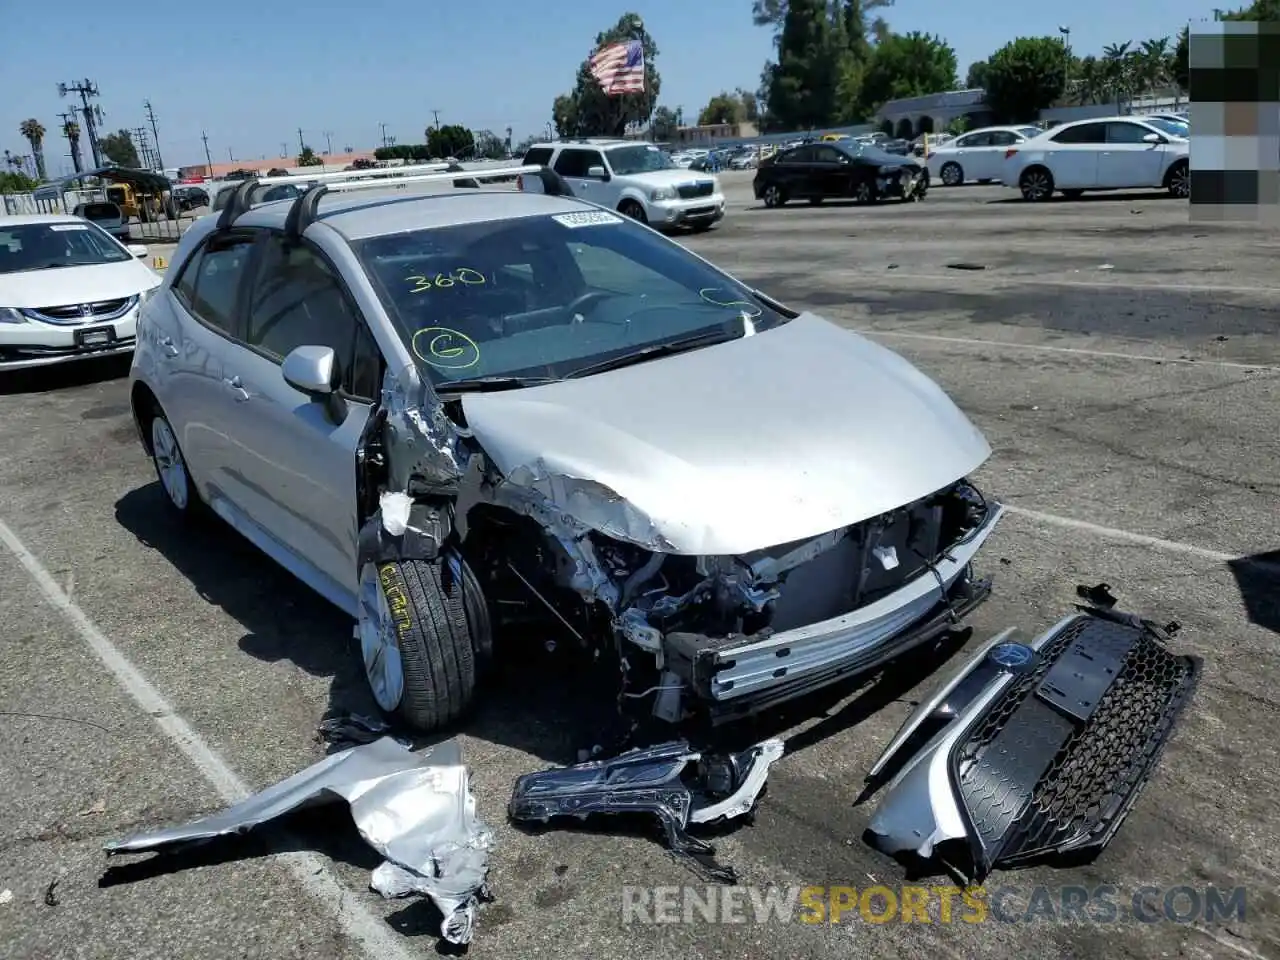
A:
x: 1083, y: 133
x: 297, y: 300
x: 1125, y: 133
x: 549, y: 296
x: 48, y: 246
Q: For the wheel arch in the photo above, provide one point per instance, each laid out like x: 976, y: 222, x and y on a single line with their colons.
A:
x: 143, y: 403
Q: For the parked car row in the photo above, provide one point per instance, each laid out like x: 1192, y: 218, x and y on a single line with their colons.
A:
x: 1107, y: 153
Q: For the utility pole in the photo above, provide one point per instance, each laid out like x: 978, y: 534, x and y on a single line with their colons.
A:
x: 143, y: 148
x: 328, y: 142
x: 151, y: 116
x: 383, y: 127
x: 92, y: 113
x: 436, y: 114
x: 69, y: 117
x: 284, y: 149
x: 231, y: 155
x: 208, y: 170
x: 301, y: 146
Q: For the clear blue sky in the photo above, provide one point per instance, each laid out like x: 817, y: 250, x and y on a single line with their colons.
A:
x: 346, y: 67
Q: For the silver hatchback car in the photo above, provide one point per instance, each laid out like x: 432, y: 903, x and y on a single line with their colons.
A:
x: 445, y: 412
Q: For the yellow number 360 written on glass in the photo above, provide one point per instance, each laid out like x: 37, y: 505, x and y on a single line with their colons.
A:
x: 443, y: 281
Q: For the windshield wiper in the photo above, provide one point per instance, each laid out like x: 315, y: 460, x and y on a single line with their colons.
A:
x: 479, y: 384
x: 655, y: 350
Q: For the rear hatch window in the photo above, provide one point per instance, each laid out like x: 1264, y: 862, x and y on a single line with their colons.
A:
x: 101, y: 211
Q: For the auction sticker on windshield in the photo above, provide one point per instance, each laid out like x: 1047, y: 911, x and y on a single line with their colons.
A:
x: 590, y: 218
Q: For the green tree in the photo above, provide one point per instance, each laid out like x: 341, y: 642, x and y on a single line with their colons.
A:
x: 588, y: 111
x: 308, y: 158
x: 958, y: 126
x: 750, y: 105
x: 33, y: 130
x: 13, y: 181
x: 664, y: 124
x: 976, y: 78
x: 451, y: 140
x: 802, y: 86
x: 1024, y: 77
x: 722, y: 108
x: 1258, y: 10
x: 1181, y: 69
x: 119, y: 149
x: 907, y: 65
x: 490, y: 146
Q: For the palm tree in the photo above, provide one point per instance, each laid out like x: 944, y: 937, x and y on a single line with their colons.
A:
x: 1118, y: 64
x: 71, y: 130
x: 33, y: 130
x: 1156, y: 75
x: 1088, y: 83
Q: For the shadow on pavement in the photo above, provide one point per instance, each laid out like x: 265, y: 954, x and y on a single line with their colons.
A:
x: 65, y: 376
x: 1103, y: 196
x: 1258, y: 578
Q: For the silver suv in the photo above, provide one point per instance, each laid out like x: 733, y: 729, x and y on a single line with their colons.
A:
x: 636, y: 179
x: 448, y: 411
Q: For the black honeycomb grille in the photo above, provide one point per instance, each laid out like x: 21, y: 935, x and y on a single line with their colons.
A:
x: 1037, y: 781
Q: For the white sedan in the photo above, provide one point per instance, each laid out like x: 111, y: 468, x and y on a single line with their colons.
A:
x: 1109, y: 153
x: 976, y: 155
x: 68, y: 291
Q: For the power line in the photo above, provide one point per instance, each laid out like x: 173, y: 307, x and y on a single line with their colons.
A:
x: 151, y: 116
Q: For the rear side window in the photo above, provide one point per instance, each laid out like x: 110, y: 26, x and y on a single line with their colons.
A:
x: 210, y: 281
x: 576, y: 163
x: 1084, y: 133
x: 537, y: 157
x: 975, y: 140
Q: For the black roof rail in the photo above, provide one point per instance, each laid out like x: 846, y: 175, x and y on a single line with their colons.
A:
x: 237, y: 204
x: 303, y: 212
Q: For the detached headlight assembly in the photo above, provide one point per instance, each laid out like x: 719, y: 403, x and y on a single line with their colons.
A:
x: 662, y: 193
x: 10, y: 315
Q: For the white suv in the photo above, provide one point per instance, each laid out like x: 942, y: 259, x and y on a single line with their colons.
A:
x: 636, y: 179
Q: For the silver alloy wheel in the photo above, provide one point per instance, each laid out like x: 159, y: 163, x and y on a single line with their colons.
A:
x: 169, y: 463
x: 1036, y: 185
x: 772, y: 195
x: 1180, y: 181
x: 951, y: 174
x: 379, y: 643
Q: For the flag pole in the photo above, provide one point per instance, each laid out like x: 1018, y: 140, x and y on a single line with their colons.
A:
x: 644, y: 93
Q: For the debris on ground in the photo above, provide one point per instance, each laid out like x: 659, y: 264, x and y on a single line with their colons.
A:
x: 98, y: 806
x: 671, y: 781
x: 1099, y: 595
x: 51, y: 894
x: 415, y: 809
x: 350, y: 729
x: 6, y: 896
x: 966, y: 266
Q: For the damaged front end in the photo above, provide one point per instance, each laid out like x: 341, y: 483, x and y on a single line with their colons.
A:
x: 1032, y: 751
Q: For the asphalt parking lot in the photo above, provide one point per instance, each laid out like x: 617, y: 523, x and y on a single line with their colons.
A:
x: 1123, y: 362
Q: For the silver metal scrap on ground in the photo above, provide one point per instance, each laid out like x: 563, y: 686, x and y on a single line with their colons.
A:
x: 415, y: 809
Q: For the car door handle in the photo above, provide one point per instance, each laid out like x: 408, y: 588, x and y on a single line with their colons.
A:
x: 168, y: 346
x: 237, y: 388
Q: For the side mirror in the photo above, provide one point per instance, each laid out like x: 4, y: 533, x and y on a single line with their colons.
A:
x: 597, y: 173
x: 139, y: 250
x: 311, y: 370
x: 1154, y: 138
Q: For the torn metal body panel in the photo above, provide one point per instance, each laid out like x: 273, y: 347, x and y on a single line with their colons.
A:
x: 421, y: 441
x: 670, y: 781
x: 415, y: 809
x: 1033, y: 751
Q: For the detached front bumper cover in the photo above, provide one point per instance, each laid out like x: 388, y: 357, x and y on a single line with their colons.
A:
x: 1033, y: 751
x: 670, y: 781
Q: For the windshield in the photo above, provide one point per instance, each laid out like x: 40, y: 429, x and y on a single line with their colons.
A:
x: 44, y: 246
x: 549, y: 296
x: 1030, y: 132
x: 629, y: 160
x: 1171, y: 127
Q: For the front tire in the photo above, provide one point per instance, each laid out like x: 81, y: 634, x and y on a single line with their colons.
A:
x: 952, y: 174
x: 424, y: 631
x: 1178, y: 180
x: 773, y: 196
x: 864, y: 193
x: 629, y: 208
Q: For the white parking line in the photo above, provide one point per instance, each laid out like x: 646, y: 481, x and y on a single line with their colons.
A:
x: 1079, y: 351
x: 1112, y: 533
x: 310, y: 869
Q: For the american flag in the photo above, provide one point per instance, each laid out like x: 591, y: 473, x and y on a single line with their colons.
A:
x: 619, y: 68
